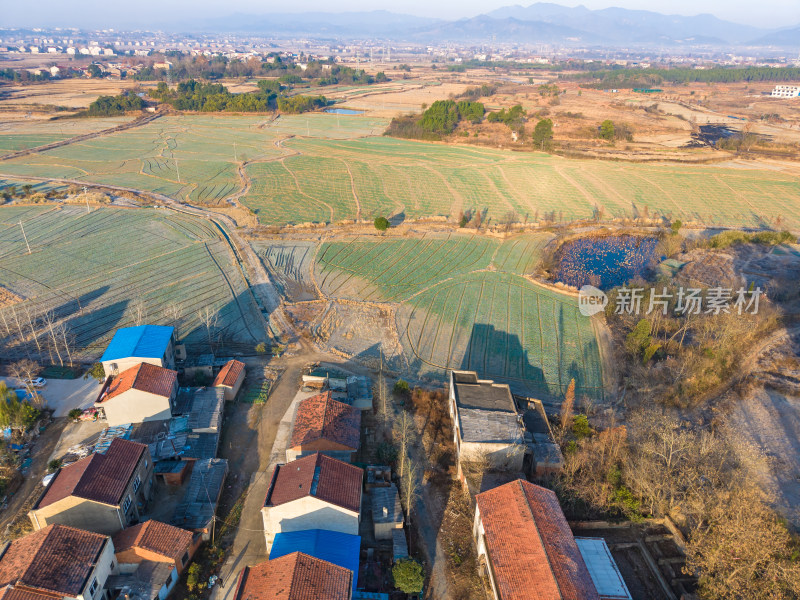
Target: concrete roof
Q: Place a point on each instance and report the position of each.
(484, 394)
(385, 498)
(489, 427)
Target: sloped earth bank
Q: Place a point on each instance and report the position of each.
(767, 415)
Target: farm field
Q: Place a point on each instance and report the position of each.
(462, 301)
(187, 157)
(106, 269)
(20, 135)
(332, 180)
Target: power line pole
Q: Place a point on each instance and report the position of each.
(25, 236)
(85, 197)
(177, 170)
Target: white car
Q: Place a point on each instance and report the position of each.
(37, 382)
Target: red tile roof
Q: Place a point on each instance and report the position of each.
(531, 549)
(99, 477)
(296, 576)
(323, 418)
(11, 593)
(229, 374)
(145, 378)
(317, 475)
(168, 541)
(57, 559)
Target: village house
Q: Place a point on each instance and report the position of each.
(322, 424)
(103, 493)
(387, 514)
(153, 344)
(57, 562)
(230, 378)
(313, 492)
(525, 544)
(485, 423)
(341, 549)
(296, 576)
(150, 558)
(144, 392)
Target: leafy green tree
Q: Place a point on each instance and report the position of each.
(96, 371)
(261, 348)
(408, 576)
(16, 413)
(382, 223)
(543, 134)
(676, 226)
(402, 389)
(607, 131)
(54, 465)
(95, 71)
(75, 414)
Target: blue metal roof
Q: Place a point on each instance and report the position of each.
(144, 341)
(341, 549)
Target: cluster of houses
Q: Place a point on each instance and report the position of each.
(315, 508)
(92, 536)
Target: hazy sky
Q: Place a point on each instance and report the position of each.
(764, 13)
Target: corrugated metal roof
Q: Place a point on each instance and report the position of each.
(341, 549)
(143, 341)
(603, 569)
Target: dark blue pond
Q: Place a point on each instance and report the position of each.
(604, 262)
(343, 111)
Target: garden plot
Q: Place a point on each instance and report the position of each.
(328, 180)
(113, 267)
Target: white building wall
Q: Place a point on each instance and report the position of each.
(105, 565)
(307, 513)
(136, 406)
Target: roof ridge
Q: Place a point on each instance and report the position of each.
(541, 539)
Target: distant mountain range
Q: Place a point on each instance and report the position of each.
(542, 22)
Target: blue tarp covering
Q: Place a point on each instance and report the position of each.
(341, 549)
(144, 341)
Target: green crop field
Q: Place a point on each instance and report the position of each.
(464, 303)
(332, 180)
(93, 269)
(20, 135)
(188, 157)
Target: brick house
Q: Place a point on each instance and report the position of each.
(314, 492)
(526, 547)
(322, 424)
(296, 576)
(57, 562)
(230, 378)
(141, 393)
(103, 493)
(151, 556)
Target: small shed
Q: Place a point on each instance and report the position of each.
(603, 569)
(399, 544)
(230, 378)
(387, 515)
(173, 472)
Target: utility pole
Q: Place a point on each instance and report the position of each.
(177, 170)
(25, 236)
(87, 200)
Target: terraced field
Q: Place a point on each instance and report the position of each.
(93, 270)
(331, 180)
(463, 302)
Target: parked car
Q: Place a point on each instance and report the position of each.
(37, 382)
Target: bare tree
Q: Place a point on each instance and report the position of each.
(31, 325)
(62, 331)
(5, 322)
(174, 312)
(409, 485)
(25, 371)
(50, 324)
(138, 311)
(568, 408)
(404, 434)
(208, 318)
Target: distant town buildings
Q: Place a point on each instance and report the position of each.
(786, 91)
